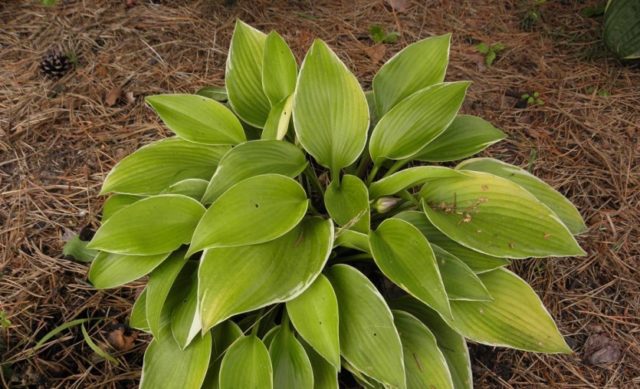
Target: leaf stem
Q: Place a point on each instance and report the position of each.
(372, 174)
(362, 166)
(356, 257)
(310, 173)
(396, 166)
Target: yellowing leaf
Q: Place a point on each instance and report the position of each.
(160, 282)
(495, 216)
(110, 270)
(138, 317)
(417, 120)
(368, 338)
(291, 365)
(166, 365)
(263, 274)
(565, 210)
(477, 261)
(407, 178)
(154, 225)
(406, 258)
(255, 210)
(251, 159)
(279, 69)
(460, 282)
(516, 317)
(466, 135)
(243, 75)
(425, 363)
(198, 119)
(452, 344)
(330, 111)
(314, 315)
(348, 203)
(246, 365)
(154, 167)
(415, 67)
(278, 121)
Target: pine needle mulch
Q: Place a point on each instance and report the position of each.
(58, 138)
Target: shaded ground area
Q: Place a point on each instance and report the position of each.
(59, 138)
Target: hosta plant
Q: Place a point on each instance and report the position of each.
(622, 28)
(308, 227)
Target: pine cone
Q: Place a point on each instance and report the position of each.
(55, 64)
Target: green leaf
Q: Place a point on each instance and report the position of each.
(185, 317)
(515, 318)
(353, 240)
(406, 258)
(59, 329)
(466, 135)
(263, 274)
(251, 159)
(495, 216)
(391, 37)
(154, 225)
(460, 282)
(416, 67)
(362, 380)
(330, 112)
(425, 364)
(347, 202)
(452, 344)
(154, 167)
(244, 75)
(138, 317)
(314, 315)
(291, 365)
(217, 93)
(160, 282)
(191, 187)
(115, 203)
(222, 337)
(279, 69)
(417, 120)
(407, 178)
(325, 375)
(490, 57)
(278, 121)
(246, 364)
(96, 349)
(255, 210)
(482, 48)
(198, 119)
(368, 338)
(110, 270)
(621, 28)
(168, 366)
(77, 249)
(559, 204)
(268, 337)
(477, 261)
(377, 34)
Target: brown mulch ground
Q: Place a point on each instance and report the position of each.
(59, 138)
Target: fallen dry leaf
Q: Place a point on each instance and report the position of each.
(376, 53)
(121, 338)
(112, 97)
(601, 350)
